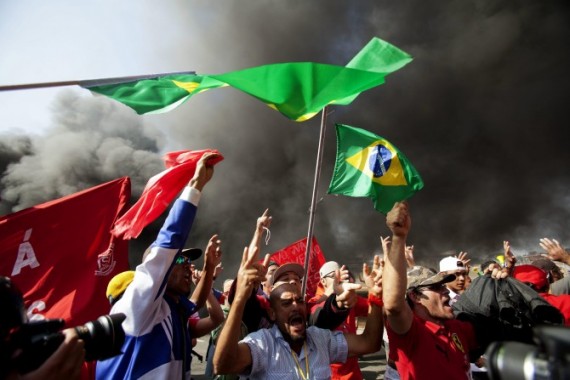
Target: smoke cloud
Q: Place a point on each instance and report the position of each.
(482, 112)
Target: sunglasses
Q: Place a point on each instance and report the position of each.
(182, 260)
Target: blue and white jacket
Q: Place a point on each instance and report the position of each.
(155, 338)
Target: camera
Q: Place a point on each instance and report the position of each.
(548, 359)
(24, 346)
(37, 341)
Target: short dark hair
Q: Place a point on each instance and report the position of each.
(486, 264)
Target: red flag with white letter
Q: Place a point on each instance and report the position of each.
(61, 254)
(295, 253)
(160, 191)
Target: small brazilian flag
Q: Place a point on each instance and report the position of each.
(367, 165)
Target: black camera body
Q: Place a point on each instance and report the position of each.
(37, 341)
(549, 359)
(24, 346)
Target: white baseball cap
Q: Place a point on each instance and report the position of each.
(328, 268)
(451, 263)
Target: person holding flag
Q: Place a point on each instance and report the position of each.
(158, 344)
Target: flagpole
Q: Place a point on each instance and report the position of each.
(313, 208)
(89, 82)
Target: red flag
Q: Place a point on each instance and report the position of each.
(295, 253)
(61, 254)
(160, 191)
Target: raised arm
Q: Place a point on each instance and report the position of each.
(371, 338)
(214, 319)
(394, 281)
(263, 223)
(555, 251)
(230, 356)
(510, 259)
(143, 297)
(212, 258)
(341, 297)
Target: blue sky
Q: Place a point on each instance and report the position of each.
(69, 40)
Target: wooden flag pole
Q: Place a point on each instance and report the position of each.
(89, 82)
(313, 208)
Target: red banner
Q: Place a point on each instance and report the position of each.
(295, 253)
(61, 254)
(160, 191)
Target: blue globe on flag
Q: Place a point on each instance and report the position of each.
(379, 160)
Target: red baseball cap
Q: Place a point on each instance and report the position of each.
(531, 275)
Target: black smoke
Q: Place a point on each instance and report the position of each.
(482, 112)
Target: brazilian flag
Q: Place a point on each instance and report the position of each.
(368, 165)
(159, 94)
(299, 90)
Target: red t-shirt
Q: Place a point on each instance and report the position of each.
(561, 302)
(350, 370)
(429, 350)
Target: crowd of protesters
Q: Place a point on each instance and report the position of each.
(261, 326)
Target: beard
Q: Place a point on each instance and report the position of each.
(294, 338)
(295, 330)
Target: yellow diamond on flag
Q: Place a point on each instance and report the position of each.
(188, 86)
(380, 162)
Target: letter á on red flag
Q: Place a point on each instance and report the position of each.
(61, 253)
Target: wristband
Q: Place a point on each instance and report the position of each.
(374, 300)
(219, 295)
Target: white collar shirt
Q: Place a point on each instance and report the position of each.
(272, 357)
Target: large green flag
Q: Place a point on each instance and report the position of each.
(298, 90)
(368, 165)
(301, 90)
(157, 95)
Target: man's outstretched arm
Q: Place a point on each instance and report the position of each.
(394, 280)
(230, 356)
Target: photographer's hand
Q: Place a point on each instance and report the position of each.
(65, 363)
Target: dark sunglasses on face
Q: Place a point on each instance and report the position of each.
(182, 260)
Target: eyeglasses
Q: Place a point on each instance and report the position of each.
(182, 260)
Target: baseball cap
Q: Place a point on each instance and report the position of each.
(532, 275)
(451, 263)
(191, 253)
(289, 267)
(328, 268)
(544, 264)
(118, 285)
(421, 276)
(272, 263)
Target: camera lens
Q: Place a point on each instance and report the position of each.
(514, 360)
(103, 337)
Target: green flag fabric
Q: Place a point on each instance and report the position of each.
(301, 90)
(368, 165)
(157, 95)
(298, 90)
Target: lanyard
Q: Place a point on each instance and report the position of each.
(305, 375)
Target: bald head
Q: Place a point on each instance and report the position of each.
(275, 295)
